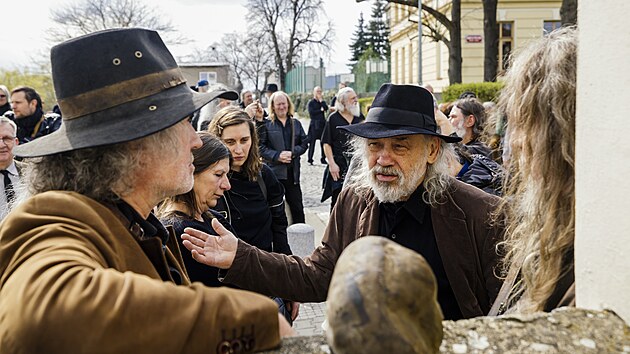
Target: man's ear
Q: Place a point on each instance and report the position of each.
(470, 121)
(433, 147)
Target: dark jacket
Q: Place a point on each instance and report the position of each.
(477, 147)
(483, 173)
(465, 239)
(4, 108)
(196, 271)
(36, 125)
(317, 110)
(273, 145)
(258, 220)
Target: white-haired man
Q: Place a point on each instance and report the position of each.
(402, 191)
(335, 142)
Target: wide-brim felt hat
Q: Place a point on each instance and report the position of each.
(116, 86)
(399, 110)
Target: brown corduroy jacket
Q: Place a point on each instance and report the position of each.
(465, 236)
(73, 279)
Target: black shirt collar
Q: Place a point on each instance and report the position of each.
(415, 205)
(140, 227)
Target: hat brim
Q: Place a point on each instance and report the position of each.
(142, 118)
(371, 130)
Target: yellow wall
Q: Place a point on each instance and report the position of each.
(527, 18)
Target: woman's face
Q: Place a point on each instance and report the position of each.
(239, 140)
(210, 184)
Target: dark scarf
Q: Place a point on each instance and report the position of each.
(26, 125)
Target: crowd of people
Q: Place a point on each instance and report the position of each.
(153, 219)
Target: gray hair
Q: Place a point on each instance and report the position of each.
(436, 181)
(342, 96)
(5, 120)
(104, 173)
(6, 92)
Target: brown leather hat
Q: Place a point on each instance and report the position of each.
(116, 86)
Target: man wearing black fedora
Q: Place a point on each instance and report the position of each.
(84, 264)
(401, 190)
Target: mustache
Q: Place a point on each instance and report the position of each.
(389, 171)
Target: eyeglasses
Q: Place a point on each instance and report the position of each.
(8, 140)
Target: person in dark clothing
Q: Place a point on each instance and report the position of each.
(254, 205)
(478, 170)
(284, 144)
(256, 213)
(5, 100)
(317, 108)
(29, 117)
(194, 208)
(335, 142)
(468, 118)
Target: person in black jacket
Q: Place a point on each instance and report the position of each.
(284, 144)
(317, 111)
(29, 117)
(194, 208)
(254, 205)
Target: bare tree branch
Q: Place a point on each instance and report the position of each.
(86, 16)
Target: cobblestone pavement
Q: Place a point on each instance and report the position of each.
(312, 315)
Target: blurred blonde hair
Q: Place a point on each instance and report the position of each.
(539, 100)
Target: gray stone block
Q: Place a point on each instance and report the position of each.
(301, 238)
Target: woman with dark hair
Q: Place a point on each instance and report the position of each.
(194, 209)
(255, 204)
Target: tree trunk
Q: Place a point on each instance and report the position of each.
(491, 40)
(455, 50)
(568, 12)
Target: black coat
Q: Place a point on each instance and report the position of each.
(273, 144)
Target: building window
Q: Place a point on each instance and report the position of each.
(506, 41)
(550, 26)
(211, 76)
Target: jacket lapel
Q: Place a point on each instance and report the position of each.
(458, 253)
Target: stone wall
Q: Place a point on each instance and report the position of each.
(566, 330)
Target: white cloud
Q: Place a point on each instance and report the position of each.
(203, 22)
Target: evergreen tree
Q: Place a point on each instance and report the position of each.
(359, 40)
(378, 30)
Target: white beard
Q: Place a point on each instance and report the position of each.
(460, 130)
(402, 188)
(355, 109)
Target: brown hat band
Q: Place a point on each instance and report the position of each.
(120, 93)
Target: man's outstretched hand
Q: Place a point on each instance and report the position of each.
(216, 251)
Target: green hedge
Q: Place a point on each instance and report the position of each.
(485, 91)
(364, 103)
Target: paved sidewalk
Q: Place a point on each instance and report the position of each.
(312, 315)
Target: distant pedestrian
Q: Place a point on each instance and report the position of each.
(5, 100)
(336, 142)
(284, 144)
(29, 115)
(317, 108)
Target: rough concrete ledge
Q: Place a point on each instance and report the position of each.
(566, 330)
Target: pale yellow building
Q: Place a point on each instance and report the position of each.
(519, 21)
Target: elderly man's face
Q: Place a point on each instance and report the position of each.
(398, 164)
(7, 142)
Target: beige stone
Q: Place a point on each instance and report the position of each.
(382, 299)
